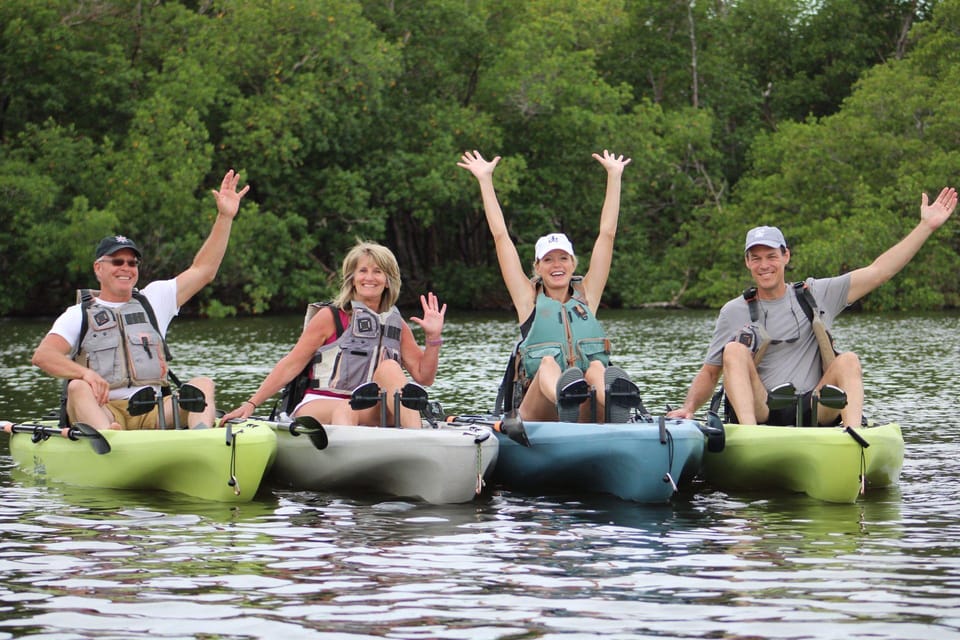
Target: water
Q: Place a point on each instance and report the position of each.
(85, 563)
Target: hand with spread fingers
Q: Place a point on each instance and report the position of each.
(432, 320)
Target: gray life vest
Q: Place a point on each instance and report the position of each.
(567, 331)
(370, 338)
(122, 344)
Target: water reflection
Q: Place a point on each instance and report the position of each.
(83, 563)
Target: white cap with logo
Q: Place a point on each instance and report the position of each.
(553, 241)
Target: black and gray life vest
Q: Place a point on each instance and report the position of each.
(122, 344)
(368, 340)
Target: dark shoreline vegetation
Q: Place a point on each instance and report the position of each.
(347, 118)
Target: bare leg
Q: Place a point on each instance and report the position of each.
(742, 384)
(391, 378)
(208, 416)
(540, 401)
(83, 407)
(845, 372)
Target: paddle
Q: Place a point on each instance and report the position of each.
(510, 426)
(310, 427)
(74, 432)
(713, 430)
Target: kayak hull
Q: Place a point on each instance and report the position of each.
(197, 463)
(630, 461)
(443, 465)
(825, 463)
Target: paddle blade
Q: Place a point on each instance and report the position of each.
(310, 427)
(142, 401)
(191, 398)
(97, 441)
(512, 427)
(716, 435)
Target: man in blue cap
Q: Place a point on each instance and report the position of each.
(112, 345)
(771, 318)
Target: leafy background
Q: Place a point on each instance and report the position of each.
(827, 118)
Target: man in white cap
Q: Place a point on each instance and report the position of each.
(779, 323)
(121, 349)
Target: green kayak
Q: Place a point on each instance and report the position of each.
(826, 463)
(223, 464)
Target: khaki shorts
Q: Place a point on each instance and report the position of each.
(149, 420)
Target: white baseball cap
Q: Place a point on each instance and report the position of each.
(548, 243)
(766, 236)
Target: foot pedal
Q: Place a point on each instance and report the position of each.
(365, 396)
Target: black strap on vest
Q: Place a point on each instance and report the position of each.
(293, 392)
(86, 299)
(800, 290)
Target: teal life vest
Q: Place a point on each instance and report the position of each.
(567, 331)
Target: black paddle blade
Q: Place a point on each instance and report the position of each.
(365, 396)
(142, 401)
(310, 427)
(413, 396)
(512, 427)
(832, 397)
(97, 441)
(782, 397)
(191, 398)
(716, 435)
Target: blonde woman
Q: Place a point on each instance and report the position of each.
(357, 339)
(564, 352)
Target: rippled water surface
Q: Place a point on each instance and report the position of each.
(85, 563)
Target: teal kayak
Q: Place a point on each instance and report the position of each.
(638, 461)
(439, 465)
(224, 464)
(826, 463)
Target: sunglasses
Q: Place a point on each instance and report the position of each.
(119, 262)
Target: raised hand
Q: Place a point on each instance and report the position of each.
(433, 313)
(937, 213)
(228, 198)
(475, 164)
(612, 162)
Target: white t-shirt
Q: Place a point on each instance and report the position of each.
(162, 295)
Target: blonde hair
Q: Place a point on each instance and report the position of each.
(384, 259)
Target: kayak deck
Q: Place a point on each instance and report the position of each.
(826, 463)
(202, 463)
(635, 461)
(437, 465)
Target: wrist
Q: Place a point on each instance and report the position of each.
(434, 342)
(251, 403)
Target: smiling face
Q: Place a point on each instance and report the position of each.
(369, 282)
(768, 268)
(117, 281)
(556, 270)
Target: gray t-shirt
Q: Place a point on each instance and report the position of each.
(797, 358)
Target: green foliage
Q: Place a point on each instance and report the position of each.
(347, 118)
